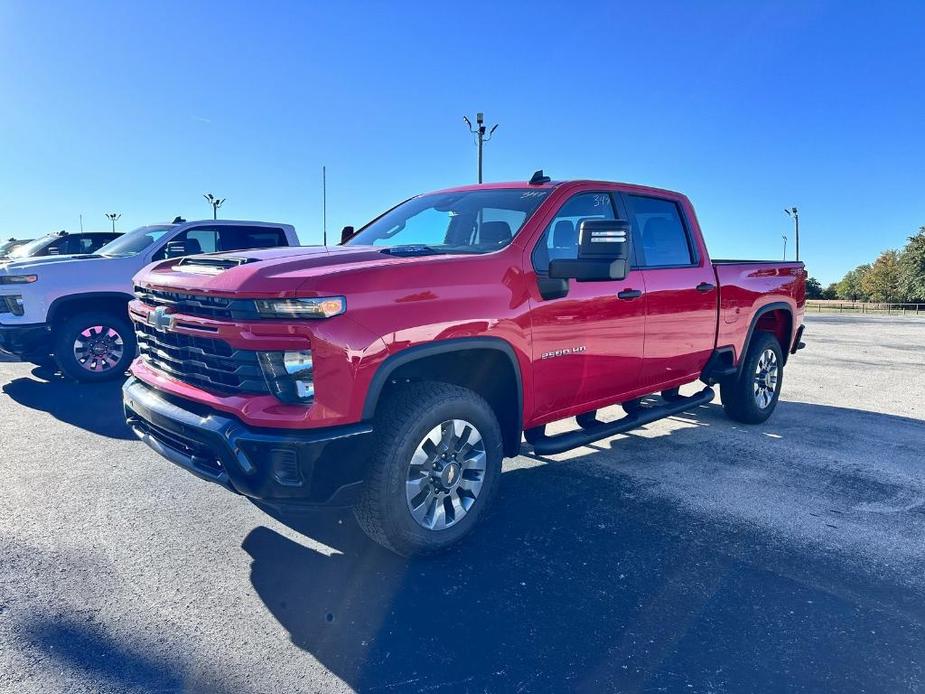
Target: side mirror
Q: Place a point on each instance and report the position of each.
(175, 249)
(346, 234)
(604, 250)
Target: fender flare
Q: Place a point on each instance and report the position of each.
(429, 349)
(767, 308)
(57, 304)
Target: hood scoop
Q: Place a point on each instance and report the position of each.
(204, 265)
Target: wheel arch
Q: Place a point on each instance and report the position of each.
(65, 307)
(775, 318)
(486, 365)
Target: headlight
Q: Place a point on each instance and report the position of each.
(18, 279)
(321, 307)
(289, 375)
(12, 303)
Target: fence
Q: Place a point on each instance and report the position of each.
(829, 306)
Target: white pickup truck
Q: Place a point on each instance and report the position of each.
(74, 308)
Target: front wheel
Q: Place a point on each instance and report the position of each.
(752, 396)
(94, 346)
(435, 466)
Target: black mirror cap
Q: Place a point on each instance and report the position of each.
(175, 249)
(588, 269)
(346, 234)
(604, 239)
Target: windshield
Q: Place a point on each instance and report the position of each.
(7, 246)
(27, 249)
(477, 221)
(133, 242)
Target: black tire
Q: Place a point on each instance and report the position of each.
(632, 406)
(95, 367)
(672, 395)
(741, 400)
(407, 417)
(535, 434)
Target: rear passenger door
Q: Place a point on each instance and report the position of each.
(681, 293)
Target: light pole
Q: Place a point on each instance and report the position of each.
(111, 216)
(784, 237)
(795, 216)
(481, 135)
(215, 202)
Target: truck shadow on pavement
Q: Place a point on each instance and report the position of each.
(578, 580)
(95, 407)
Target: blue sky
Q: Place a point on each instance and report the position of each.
(747, 107)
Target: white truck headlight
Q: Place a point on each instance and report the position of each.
(319, 307)
(18, 279)
(289, 375)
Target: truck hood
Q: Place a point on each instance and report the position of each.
(24, 264)
(272, 272)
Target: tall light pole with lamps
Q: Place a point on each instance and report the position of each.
(214, 202)
(111, 216)
(482, 135)
(795, 216)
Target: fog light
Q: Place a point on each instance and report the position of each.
(285, 466)
(289, 375)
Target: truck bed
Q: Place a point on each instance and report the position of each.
(748, 286)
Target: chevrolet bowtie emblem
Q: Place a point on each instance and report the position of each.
(160, 319)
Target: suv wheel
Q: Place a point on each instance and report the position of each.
(753, 395)
(435, 466)
(94, 346)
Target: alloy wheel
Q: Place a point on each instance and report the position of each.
(766, 378)
(98, 348)
(445, 474)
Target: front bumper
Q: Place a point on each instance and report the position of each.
(280, 467)
(28, 341)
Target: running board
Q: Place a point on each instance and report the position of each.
(548, 445)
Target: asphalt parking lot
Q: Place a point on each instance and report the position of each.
(694, 555)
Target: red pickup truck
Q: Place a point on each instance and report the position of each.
(395, 371)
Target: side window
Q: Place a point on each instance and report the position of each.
(660, 232)
(190, 242)
(220, 239)
(77, 244)
(241, 238)
(560, 240)
(55, 247)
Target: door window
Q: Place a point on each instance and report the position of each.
(560, 240)
(659, 231)
(220, 239)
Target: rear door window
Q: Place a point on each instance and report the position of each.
(241, 238)
(659, 232)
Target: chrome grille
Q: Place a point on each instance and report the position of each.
(199, 304)
(204, 362)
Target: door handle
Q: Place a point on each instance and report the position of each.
(629, 294)
(705, 287)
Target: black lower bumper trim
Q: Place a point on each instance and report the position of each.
(278, 466)
(26, 341)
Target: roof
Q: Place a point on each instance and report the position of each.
(556, 184)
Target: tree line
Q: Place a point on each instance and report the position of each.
(894, 277)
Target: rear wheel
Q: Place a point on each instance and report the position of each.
(752, 396)
(435, 466)
(94, 346)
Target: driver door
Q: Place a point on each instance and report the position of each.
(588, 344)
